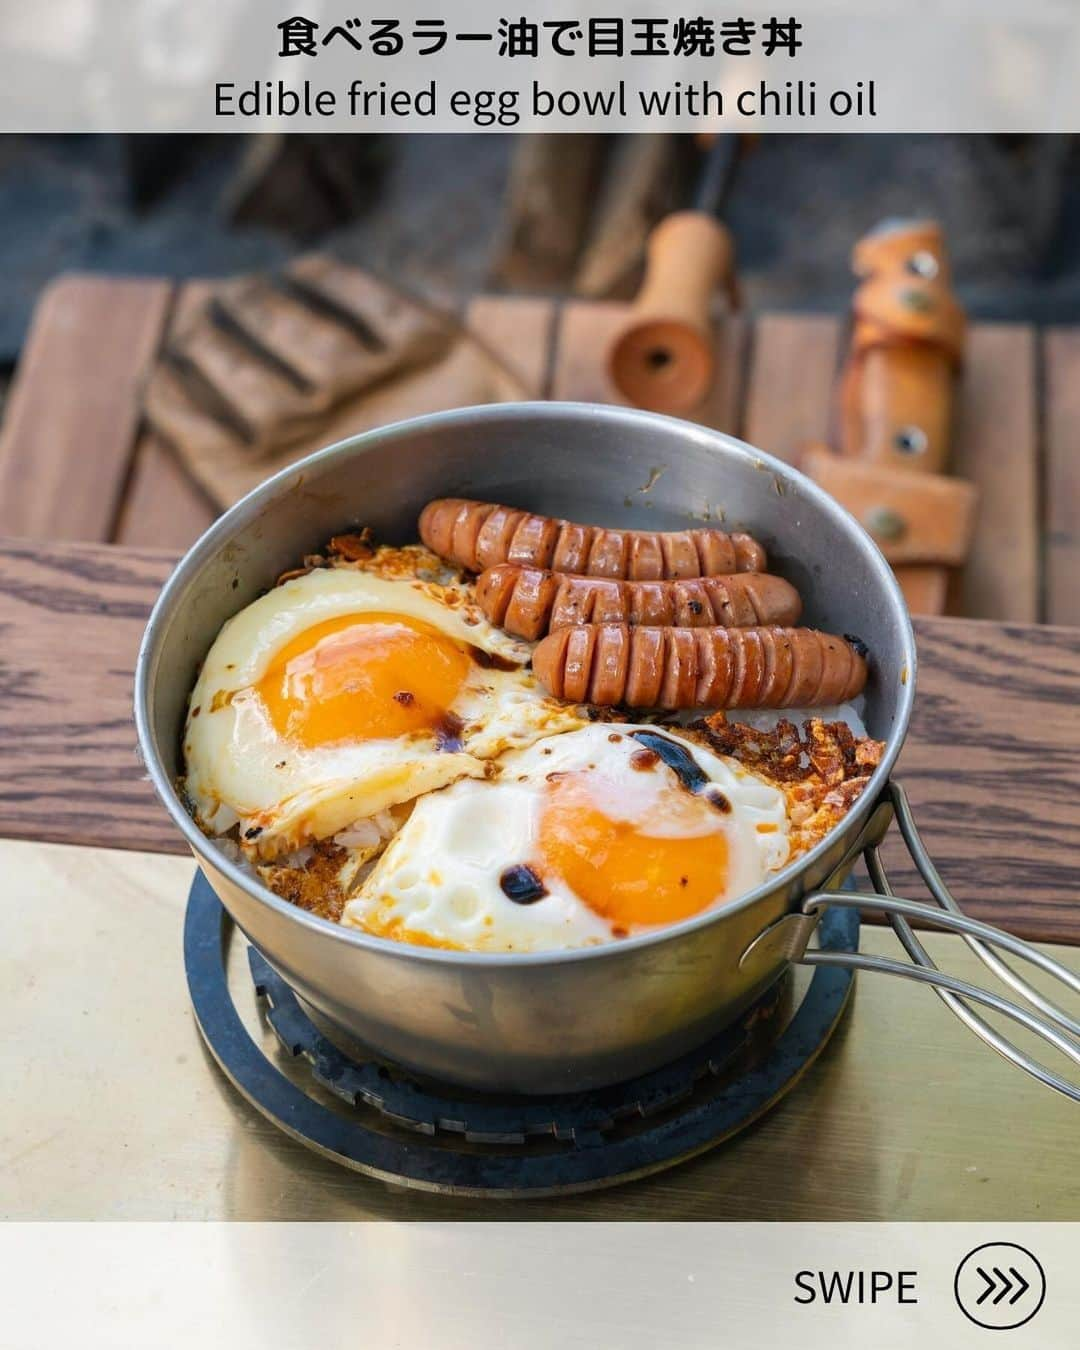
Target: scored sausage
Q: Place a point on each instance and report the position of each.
(479, 535)
(614, 663)
(531, 601)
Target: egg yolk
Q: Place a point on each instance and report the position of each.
(368, 676)
(623, 873)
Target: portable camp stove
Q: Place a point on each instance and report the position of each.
(378, 1119)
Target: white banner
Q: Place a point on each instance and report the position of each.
(539, 65)
(475, 1286)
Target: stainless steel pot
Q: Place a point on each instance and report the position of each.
(563, 1020)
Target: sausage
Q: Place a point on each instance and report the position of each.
(614, 663)
(530, 601)
(479, 535)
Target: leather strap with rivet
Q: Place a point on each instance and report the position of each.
(895, 410)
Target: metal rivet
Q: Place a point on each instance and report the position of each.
(911, 440)
(884, 522)
(924, 264)
(918, 301)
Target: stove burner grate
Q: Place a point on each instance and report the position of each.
(384, 1122)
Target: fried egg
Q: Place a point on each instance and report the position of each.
(581, 839)
(339, 694)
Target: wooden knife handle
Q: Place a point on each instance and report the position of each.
(904, 408)
(907, 341)
(664, 358)
(896, 399)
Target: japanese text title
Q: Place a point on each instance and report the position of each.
(559, 37)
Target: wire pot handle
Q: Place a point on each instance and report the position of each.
(1051, 1023)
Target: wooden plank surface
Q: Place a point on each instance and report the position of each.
(520, 332)
(997, 449)
(789, 395)
(69, 428)
(904, 1116)
(992, 762)
(993, 768)
(1061, 391)
(70, 466)
(74, 466)
(71, 616)
(163, 507)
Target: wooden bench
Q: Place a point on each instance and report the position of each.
(76, 464)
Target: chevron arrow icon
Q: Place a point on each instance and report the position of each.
(1001, 1286)
(1024, 1285)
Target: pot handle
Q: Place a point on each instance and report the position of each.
(1049, 1022)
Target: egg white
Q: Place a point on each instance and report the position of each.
(438, 882)
(241, 770)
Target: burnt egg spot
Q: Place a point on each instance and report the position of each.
(490, 661)
(678, 759)
(448, 731)
(521, 885)
(860, 646)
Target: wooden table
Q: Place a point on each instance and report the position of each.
(992, 764)
(75, 464)
(118, 1110)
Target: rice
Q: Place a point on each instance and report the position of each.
(765, 719)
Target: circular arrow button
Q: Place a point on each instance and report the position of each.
(1000, 1285)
